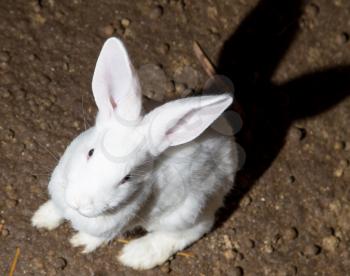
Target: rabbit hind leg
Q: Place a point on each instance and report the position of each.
(156, 247)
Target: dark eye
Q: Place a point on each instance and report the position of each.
(90, 153)
(126, 178)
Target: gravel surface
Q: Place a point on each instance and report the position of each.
(289, 213)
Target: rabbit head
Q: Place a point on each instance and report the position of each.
(111, 162)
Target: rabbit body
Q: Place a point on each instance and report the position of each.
(175, 183)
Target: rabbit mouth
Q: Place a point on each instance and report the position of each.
(89, 213)
(92, 212)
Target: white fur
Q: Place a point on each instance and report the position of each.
(176, 185)
(47, 216)
(90, 243)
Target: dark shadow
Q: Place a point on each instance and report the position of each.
(249, 58)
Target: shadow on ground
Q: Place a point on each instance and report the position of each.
(249, 58)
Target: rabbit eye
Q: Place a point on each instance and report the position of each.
(90, 153)
(126, 178)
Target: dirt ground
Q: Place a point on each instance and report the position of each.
(289, 213)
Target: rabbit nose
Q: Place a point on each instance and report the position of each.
(72, 202)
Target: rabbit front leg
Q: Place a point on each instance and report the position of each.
(47, 216)
(156, 247)
(87, 241)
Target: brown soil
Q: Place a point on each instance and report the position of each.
(290, 211)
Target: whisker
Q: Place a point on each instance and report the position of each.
(40, 174)
(82, 107)
(141, 219)
(47, 170)
(147, 162)
(138, 171)
(50, 152)
(137, 175)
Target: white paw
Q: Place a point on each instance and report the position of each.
(47, 216)
(90, 243)
(146, 252)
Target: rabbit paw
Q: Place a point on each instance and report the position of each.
(90, 243)
(146, 252)
(47, 216)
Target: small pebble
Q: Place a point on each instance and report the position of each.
(347, 146)
(287, 271)
(164, 48)
(237, 271)
(338, 3)
(19, 94)
(344, 163)
(339, 145)
(267, 248)
(312, 250)
(7, 78)
(312, 10)
(180, 88)
(9, 134)
(330, 243)
(5, 232)
(3, 66)
(37, 263)
(65, 66)
(249, 243)
(165, 268)
(11, 203)
(11, 192)
(5, 93)
(212, 12)
(60, 263)
(291, 179)
(297, 134)
(107, 31)
(338, 172)
(169, 87)
(239, 256)
(290, 234)
(4, 57)
(229, 254)
(233, 231)
(128, 32)
(43, 79)
(33, 57)
(76, 124)
(245, 202)
(227, 242)
(156, 12)
(125, 22)
(342, 38)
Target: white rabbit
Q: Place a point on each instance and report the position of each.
(133, 169)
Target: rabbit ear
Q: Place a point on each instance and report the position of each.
(181, 121)
(115, 86)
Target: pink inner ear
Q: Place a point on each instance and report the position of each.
(182, 122)
(113, 103)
